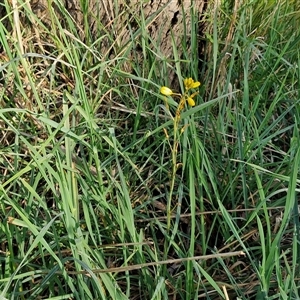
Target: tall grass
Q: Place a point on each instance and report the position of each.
(86, 163)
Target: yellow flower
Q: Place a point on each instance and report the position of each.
(189, 83)
(166, 91)
(191, 101)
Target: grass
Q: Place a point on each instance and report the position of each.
(86, 163)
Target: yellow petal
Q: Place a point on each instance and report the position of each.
(166, 91)
(187, 83)
(190, 101)
(195, 85)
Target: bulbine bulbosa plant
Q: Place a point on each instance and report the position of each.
(187, 97)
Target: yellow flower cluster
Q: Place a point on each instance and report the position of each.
(189, 83)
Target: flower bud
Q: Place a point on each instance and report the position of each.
(166, 91)
(191, 101)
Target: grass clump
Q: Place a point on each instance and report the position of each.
(113, 190)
